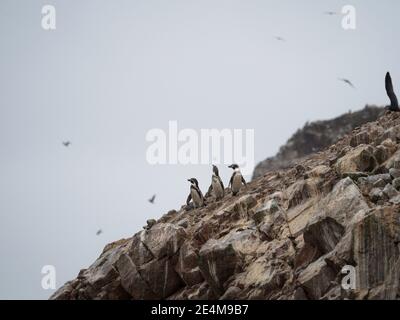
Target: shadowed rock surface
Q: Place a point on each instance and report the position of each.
(287, 236)
(315, 137)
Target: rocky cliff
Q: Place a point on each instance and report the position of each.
(289, 235)
(316, 136)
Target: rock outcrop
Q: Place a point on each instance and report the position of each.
(316, 136)
(291, 234)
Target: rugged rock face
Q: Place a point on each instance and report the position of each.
(289, 235)
(315, 137)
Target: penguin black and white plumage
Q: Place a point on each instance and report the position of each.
(217, 186)
(236, 180)
(394, 104)
(195, 194)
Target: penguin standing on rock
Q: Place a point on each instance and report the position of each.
(195, 194)
(217, 186)
(236, 180)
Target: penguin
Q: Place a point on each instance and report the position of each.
(394, 104)
(195, 194)
(236, 180)
(217, 186)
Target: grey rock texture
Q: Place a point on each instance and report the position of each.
(288, 235)
(316, 136)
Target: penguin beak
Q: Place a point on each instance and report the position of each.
(230, 166)
(190, 180)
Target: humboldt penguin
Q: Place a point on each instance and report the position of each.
(195, 194)
(217, 186)
(236, 180)
(394, 104)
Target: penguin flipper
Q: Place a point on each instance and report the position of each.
(208, 193)
(230, 181)
(394, 104)
(188, 199)
(244, 181)
(222, 184)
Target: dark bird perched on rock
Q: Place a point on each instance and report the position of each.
(394, 104)
(151, 200)
(217, 186)
(236, 180)
(195, 194)
(347, 81)
(66, 143)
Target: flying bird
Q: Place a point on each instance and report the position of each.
(151, 200)
(66, 143)
(347, 81)
(99, 232)
(330, 13)
(279, 38)
(394, 104)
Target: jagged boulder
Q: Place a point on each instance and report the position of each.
(267, 275)
(359, 159)
(344, 203)
(132, 281)
(394, 161)
(218, 261)
(316, 279)
(138, 251)
(161, 277)
(188, 265)
(163, 239)
(324, 234)
(368, 183)
(377, 257)
(300, 191)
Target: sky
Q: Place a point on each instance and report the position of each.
(112, 71)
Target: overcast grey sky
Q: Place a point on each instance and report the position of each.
(112, 70)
